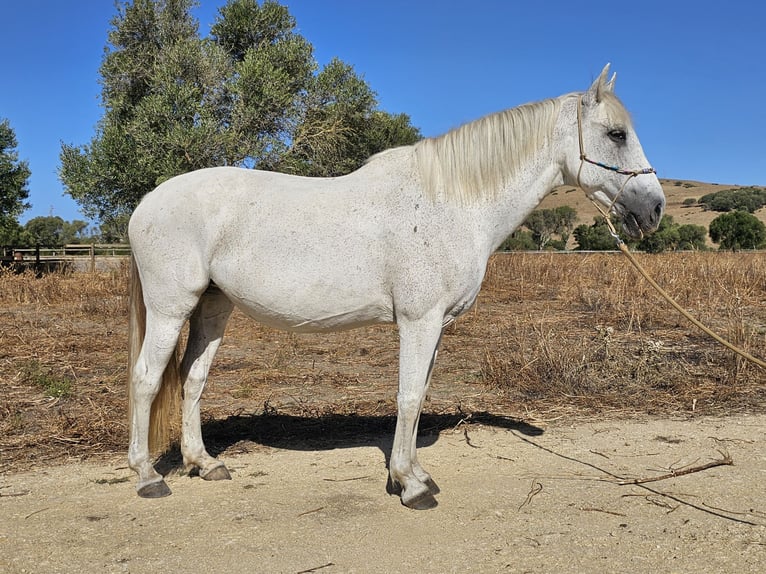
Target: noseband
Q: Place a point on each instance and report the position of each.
(631, 173)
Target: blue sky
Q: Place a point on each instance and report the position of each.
(692, 73)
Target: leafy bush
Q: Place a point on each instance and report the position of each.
(519, 240)
(748, 199)
(541, 228)
(594, 237)
(545, 223)
(738, 230)
(669, 237)
(673, 237)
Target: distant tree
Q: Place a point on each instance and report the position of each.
(249, 95)
(738, 230)
(567, 218)
(673, 237)
(114, 229)
(46, 230)
(666, 238)
(12, 234)
(545, 223)
(691, 237)
(14, 177)
(519, 240)
(75, 231)
(748, 199)
(669, 236)
(594, 237)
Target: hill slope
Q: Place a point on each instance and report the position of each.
(676, 191)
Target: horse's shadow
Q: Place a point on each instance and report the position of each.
(331, 431)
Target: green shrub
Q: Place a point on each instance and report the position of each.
(748, 199)
(738, 230)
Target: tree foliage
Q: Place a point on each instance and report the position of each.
(251, 95)
(594, 237)
(14, 177)
(749, 199)
(519, 240)
(691, 237)
(11, 233)
(738, 230)
(52, 231)
(671, 236)
(545, 223)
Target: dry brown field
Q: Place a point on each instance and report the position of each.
(553, 337)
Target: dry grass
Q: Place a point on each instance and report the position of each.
(551, 336)
(605, 340)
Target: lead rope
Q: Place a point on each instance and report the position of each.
(624, 248)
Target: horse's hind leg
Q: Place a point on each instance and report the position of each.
(206, 327)
(156, 351)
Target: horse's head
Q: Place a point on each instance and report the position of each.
(611, 166)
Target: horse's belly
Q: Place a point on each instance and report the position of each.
(320, 312)
(293, 320)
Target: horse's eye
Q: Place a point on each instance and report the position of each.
(618, 135)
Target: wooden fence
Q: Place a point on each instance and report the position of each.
(79, 257)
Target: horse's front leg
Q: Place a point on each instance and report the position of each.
(206, 328)
(418, 342)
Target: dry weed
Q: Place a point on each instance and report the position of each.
(636, 353)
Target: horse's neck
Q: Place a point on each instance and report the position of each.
(519, 198)
(541, 173)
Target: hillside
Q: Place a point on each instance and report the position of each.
(676, 192)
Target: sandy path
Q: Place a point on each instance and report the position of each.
(510, 502)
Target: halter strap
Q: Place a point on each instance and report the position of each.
(631, 173)
(585, 158)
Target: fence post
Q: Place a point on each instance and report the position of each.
(92, 257)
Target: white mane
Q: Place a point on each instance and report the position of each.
(480, 157)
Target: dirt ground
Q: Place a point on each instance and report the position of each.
(515, 498)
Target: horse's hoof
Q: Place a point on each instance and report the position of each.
(218, 473)
(433, 488)
(154, 490)
(424, 501)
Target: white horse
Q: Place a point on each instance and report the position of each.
(404, 239)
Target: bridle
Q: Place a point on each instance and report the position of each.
(631, 173)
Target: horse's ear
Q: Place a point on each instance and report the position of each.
(593, 95)
(610, 83)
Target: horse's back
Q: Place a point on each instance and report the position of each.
(299, 253)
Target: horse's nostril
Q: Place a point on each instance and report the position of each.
(658, 210)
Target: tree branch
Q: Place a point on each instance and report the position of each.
(724, 461)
